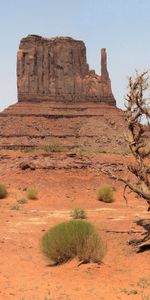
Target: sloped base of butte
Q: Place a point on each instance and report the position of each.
(82, 126)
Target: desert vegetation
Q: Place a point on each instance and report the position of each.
(14, 206)
(3, 191)
(53, 147)
(89, 135)
(105, 193)
(32, 193)
(78, 213)
(71, 239)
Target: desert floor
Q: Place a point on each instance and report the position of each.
(25, 274)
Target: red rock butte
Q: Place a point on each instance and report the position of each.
(60, 100)
(56, 69)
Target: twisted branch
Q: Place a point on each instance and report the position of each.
(137, 109)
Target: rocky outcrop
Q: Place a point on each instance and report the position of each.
(56, 70)
(53, 126)
(62, 105)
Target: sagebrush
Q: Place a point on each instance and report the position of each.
(14, 206)
(105, 193)
(78, 213)
(32, 193)
(3, 191)
(53, 147)
(71, 239)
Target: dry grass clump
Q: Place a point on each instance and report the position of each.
(105, 193)
(32, 193)
(3, 191)
(15, 206)
(71, 239)
(53, 147)
(78, 213)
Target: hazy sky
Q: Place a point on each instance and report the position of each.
(121, 26)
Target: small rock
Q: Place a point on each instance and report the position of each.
(27, 165)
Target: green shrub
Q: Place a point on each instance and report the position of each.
(78, 213)
(54, 147)
(105, 193)
(3, 191)
(32, 193)
(70, 239)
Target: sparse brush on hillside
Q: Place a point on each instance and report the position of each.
(53, 147)
(105, 193)
(78, 213)
(32, 193)
(3, 191)
(14, 206)
(71, 239)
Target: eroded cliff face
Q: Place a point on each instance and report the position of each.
(56, 70)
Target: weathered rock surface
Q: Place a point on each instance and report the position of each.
(84, 126)
(61, 103)
(56, 70)
(66, 161)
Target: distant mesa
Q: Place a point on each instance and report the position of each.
(61, 101)
(56, 69)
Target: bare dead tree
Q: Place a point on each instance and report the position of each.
(138, 122)
(138, 138)
(137, 112)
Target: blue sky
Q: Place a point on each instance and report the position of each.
(121, 26)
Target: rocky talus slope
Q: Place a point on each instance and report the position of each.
(76, 126)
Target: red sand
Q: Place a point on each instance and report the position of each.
(25, 273)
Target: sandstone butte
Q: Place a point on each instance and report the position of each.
(56, 69)
(60, 100)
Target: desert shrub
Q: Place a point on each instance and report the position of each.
(32, 193)
(84, 149)
(27, 149)
(3, 191)
(105, 193)
(73, 238)
(78, 213)
(14, 206)
(22, 201)
(53, 147)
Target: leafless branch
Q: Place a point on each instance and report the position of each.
(137, 109)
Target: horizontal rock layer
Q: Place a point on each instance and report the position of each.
(81, 126)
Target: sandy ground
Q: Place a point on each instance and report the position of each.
(25, 274)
